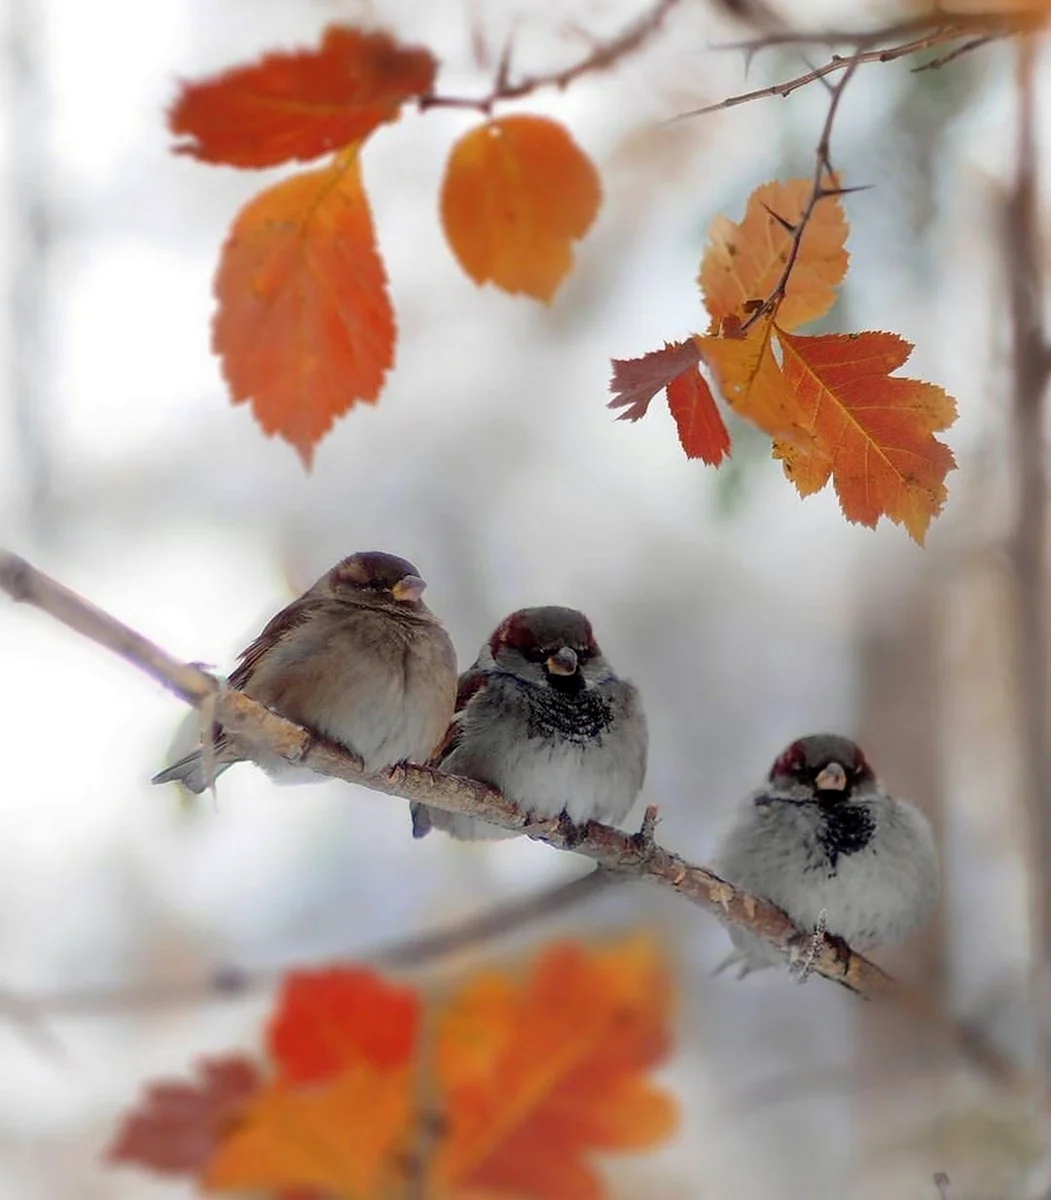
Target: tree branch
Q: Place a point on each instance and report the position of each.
(824, 186)
(602, 56)
(870, 47)
(229, 982)
(627, 855)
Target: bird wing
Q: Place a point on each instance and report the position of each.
(471, 682)
(276, 628)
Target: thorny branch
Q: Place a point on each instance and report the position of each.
(884, 45)
(634, 856)
(602, 56)
(824, 186)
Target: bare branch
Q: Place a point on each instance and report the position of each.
(229, 982)
(601, 57)
(626, 855)
(921, 34)
(942, 60)
(965, 24)
(824, 187)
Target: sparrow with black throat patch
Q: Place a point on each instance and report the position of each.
(543, 717)
(826, 842)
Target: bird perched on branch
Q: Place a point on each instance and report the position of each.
(542, 716)
(358, 658)
(825, 841)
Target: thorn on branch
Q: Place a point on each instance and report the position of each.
(644, 838)
(818, 192)
(922, 33)
(786, 225)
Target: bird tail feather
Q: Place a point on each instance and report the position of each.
(190, 772)
(421, 820)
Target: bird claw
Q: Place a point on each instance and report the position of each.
(805, 948)
(542, 827)
(574, 834)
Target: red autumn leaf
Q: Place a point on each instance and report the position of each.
(702, 431)
(518, 191)
(637, 380)
(872, 432)
(178, 1126)
(537, 1074)
(329, 1019)
(304, 325)
(301, 104)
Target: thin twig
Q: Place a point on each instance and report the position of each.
(230, 982)
(821, 190)
(943, 60)
(601, 57)
(254, 728)
(837, 63)
(932, 22)
(872, 46)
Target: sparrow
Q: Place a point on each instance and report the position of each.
(358, 658)
(542, 717)
(826, 842)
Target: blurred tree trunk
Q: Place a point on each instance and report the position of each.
(900, 1075)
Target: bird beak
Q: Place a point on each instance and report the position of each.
(832, 778)
(408, 589)
(563, 663)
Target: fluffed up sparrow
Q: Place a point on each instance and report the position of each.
(358, 658)
(542, 716)
(826, 842)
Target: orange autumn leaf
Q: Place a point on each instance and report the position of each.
(517, 192)
(748, 374)
(301, 104)
(872, 432)
(331, 1018)
(743, 263)
(348, 1136)
(538, 1073)
(304, 325)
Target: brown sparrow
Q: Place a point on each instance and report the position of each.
(358, 658)
(826, 842)
(542, 717)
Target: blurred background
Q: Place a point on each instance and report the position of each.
(746, 616)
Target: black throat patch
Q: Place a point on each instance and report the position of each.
(844, 829)
(579, 717)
